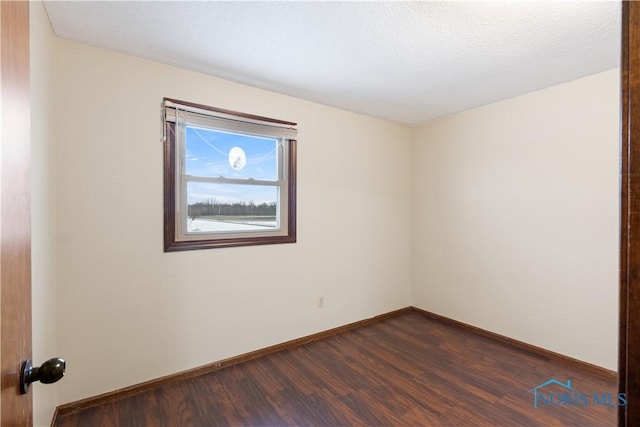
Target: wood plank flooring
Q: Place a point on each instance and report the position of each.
(408, 370)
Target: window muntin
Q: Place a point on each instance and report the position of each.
(228, 181)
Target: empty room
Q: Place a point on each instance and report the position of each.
(317, 213)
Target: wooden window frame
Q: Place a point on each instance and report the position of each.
(172, 240)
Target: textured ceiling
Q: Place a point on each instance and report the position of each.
(408, 62)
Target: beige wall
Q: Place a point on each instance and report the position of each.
(507, 214)
(129, 312)
(43, 218)
(515, 220)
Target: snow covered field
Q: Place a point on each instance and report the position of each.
(204, 225)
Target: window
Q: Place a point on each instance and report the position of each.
(229, 178)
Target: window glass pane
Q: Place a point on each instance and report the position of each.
(214, 153)
(231, 207)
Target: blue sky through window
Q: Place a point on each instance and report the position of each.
(230, 193)
(207, 154)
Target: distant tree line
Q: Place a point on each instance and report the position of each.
(214, 208)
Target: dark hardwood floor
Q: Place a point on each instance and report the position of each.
(406, 370)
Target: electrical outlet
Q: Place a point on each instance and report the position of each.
(320, 301)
